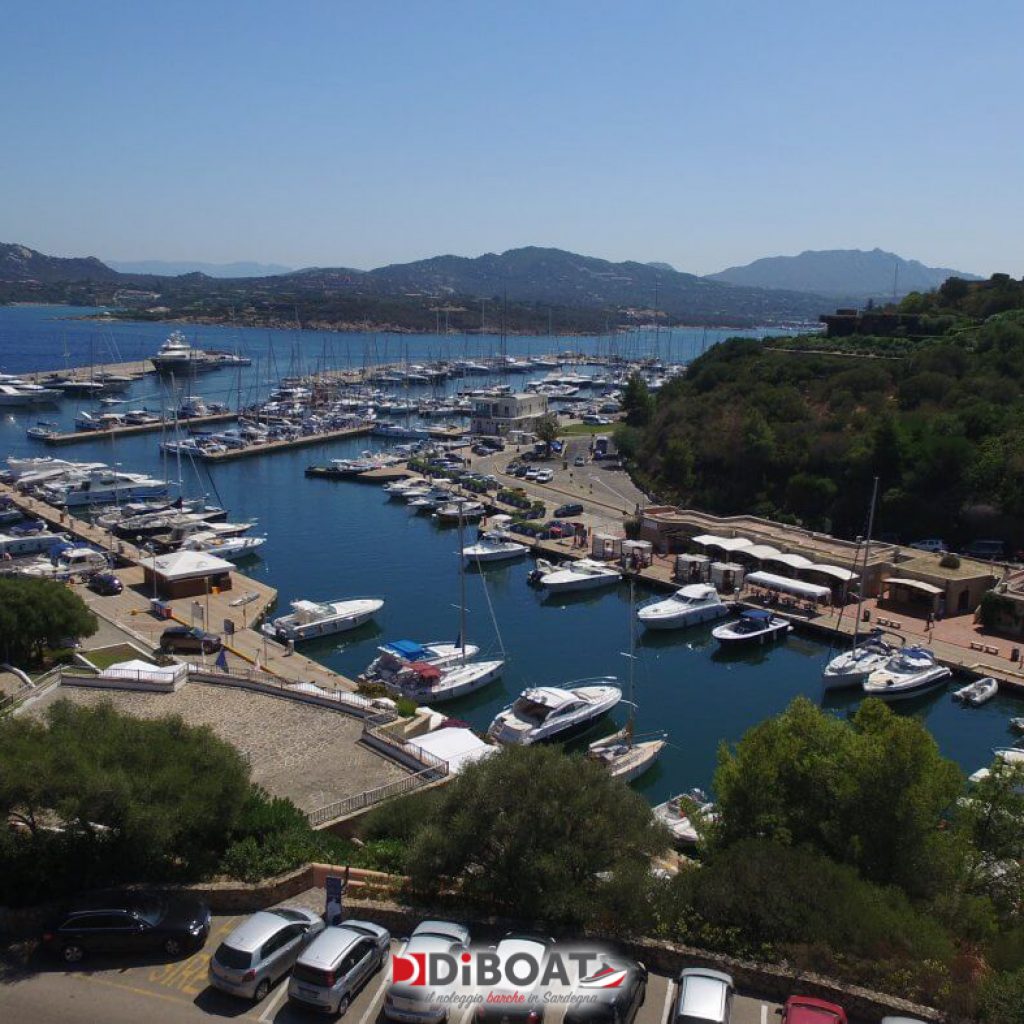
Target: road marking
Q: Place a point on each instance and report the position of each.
(92, 979)
(275, 1001)
(666, 1009)
(764, 1013)
(374, 1008)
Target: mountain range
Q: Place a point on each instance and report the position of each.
(174, 268)
(842, 272)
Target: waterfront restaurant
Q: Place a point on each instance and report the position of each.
(922, 583)
(187, 574)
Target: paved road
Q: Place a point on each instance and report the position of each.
(151, 992)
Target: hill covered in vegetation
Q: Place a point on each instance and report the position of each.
(796, 429)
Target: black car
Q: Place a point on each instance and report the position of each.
(106, 584)
(134, 922)
(186, 640)
(571, 509)
(615, 1005)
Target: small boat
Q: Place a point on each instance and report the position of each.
(910, 672)
(315, 618)
(977, 693)
(625, 756)
(682, 815)
(585, 574)
(224, 547)
(460, 509)
(494, 546)
(752, 627)
(43, 431)
(852, 667)
(546, 712)
(688, 606)
(1017, 724)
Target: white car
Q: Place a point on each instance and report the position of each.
(580, 460)
(933, 544)
(544, 476)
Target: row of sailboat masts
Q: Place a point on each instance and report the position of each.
(864, 565)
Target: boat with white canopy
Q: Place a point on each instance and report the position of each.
(688, 606)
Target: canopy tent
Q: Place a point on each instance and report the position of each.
(761, 551)
(141, 671)
(408, 649)
(459, 747)
(793, 561)
(808, 591)
(725, 543)
(835, 571)
(925, 588)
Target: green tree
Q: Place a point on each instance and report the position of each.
(546, 429)
(36, 612)
(532, 832)
(637, 401)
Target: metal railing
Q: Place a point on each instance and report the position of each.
(404, 749)
(360, 801)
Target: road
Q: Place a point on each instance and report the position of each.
(42, 991)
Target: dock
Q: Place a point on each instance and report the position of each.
(137, 368)
(130, 429)
(285, 443)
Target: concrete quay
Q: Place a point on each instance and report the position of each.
(81, 436)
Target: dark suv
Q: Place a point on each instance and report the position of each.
(617, 1004)
(134, 922)
(571, 509)
(188, 640)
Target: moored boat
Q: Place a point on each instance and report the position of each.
(978, 692)
(688, 606)
(549, 712)
(311, 619)
(852, 667)
(585, 574)
(494, 546)
(910, 672)
(754, 626)
(683, 816)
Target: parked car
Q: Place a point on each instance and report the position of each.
(134, 922)
(106, 584)
(406, 1003)
(530, 1011)
(188, 640)
(986, 549)
(618, 1005)
(580, 460)
(532, 473)
(809, 1010)
(261, 950)
(544, 476)
(704, 996)
(337, 963)
(573, 508)
(933, 544)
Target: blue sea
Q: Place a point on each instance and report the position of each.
(331, 539)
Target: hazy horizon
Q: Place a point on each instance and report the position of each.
(702, 136)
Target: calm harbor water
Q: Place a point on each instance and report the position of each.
(331, 539)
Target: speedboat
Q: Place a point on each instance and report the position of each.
(423, 682)
(909, 672)
(625, 757)
(688, 606)
(852, 667)
(585, 574)
(223, 547)
(546, 712)
(461, 508)
(682, 814)
(754, 626)
(494, 546)
(978, 692)
(395, 655)
(315, 618)
(43, 431)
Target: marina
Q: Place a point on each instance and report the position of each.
(341, 541)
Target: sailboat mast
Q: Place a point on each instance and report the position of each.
(867, 555)
(462, 592)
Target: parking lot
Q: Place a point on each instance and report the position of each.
(106, 989)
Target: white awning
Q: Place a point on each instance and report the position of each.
(793, 561)
(925, 588)
(835, 571)
(798, 588)
(761, 551)
(725, 543)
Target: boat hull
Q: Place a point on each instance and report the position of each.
(685, 619)
(892, 689)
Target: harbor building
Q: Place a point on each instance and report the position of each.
(497, 417)
(187, 574)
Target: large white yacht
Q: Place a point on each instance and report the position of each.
(546, 712)
(585, 574)
(752, 627)
(101, 487)
(688, 606)
(321, 618)
(21, 394)
(910, 672)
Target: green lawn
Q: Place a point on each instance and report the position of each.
(576, 429)
(104, 657)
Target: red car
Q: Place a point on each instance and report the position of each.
(808, 1010)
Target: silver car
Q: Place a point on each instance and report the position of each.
(705, 997)
(261, 950)
(404, 1002)
(337, 964)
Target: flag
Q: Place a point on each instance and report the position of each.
(222, 660)
(256, 662)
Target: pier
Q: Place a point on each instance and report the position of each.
(131, 429)
(285, 443)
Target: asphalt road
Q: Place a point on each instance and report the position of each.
(112, 991)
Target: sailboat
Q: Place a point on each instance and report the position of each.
(427, 681)
(621, 754)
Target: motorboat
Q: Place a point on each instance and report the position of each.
(684, 814)
(397, 488)
(21, 395)
(1011, 758)
(311, 619)
(426, 683)
(625, 756)
(1017, 724)
(494, 546)
(754, 626)
(460, 509)
(140, 417)
(176, 355)
(547, 712)
(104, 421)
(910, 672)
(584, 574)
(43, 431)
(395, 655)
(103, 486)
(852, 667)
(224, 547)
(978, 692)
(688, 606)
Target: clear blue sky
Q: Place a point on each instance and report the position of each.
(702, 133)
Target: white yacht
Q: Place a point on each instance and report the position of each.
(26, 394)
(176, 355)
(585, 574)
(460, 509)
(103, 486)
(546, 712)
(754, 626)
(223, 547)
(688, 606)
(682, 814)
(399, 653)
(315, 618)
(624, 756)
(494, 546)
(852, 667)
(910, 672)
(429, 684)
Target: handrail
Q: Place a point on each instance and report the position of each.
(359, 801)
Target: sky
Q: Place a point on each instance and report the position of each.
(701, 133)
